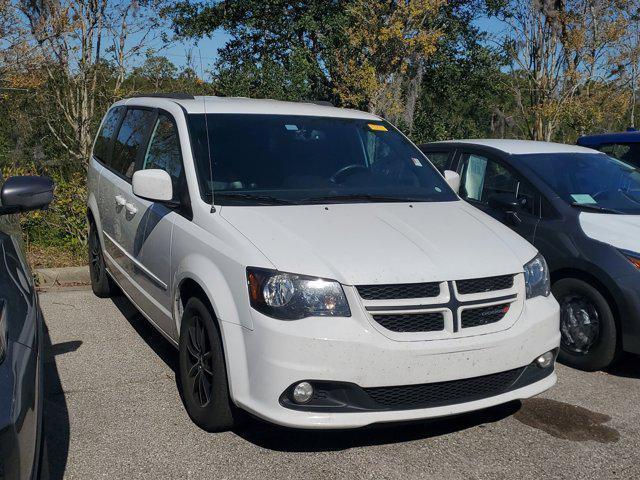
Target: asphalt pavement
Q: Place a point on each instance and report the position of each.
(113, 411)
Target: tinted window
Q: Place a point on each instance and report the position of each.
(482, 178)
(304, 159)
(108, 129)
(627, 152)
(132, 135)
(163, 151)
(439, 159)
(592, 181)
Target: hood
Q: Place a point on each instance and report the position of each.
(620, 231)
(371, 243)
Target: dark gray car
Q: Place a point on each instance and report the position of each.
(21, 335)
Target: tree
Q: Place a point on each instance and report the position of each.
(79, 52)
(277, 48)
(557, 49)
(381, 64)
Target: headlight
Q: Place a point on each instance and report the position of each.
(3, 332)
(536, 277)
(633, 257)
(289, 296)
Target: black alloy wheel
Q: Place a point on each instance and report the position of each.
(200, 372)
(202, 369)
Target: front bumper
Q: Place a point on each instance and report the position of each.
(629, 305)
(264, 362)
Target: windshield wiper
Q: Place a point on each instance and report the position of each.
(264, 199)
(595, 208)
(359, 196)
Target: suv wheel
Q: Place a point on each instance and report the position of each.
(203, 376)
(101, 283)
(587, 325)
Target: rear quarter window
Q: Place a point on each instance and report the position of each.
(106, 133)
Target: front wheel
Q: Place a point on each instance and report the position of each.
(203, 376)
(587, 326)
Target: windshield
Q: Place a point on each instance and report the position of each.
(591, 181)
(284, 159)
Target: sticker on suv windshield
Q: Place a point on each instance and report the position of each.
(377, 128)
(416, 162)
(583, 198)
(292, 128)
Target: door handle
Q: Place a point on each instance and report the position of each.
(131, 208)
(120, 200)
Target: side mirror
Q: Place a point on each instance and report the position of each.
(23, 193)
(153, 184)
(505, 202)
(453, 180)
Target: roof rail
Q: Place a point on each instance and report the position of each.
(176, 95)
(323, 103)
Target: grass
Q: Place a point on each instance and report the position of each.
(52, 256)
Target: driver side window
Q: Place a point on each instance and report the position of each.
(483, 177)
(163, 151)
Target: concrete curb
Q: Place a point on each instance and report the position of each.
(62, 277)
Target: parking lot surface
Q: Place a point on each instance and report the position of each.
(113, 411)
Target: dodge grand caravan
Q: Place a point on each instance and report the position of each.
(311, 266)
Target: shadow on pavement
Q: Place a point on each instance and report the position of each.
(291, 440)
(628, 366)
(147, 332)
(56, 414)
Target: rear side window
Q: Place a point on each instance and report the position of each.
(131, 138)
(106, 133)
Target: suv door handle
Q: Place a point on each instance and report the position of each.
(120, 200)
(131, 208)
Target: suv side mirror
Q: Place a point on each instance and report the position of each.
(153, 184)
(453, 180)
(505, 202)
(23, 193)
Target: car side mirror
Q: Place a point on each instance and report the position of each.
(153, 184)
(24, 193)
(453, 180)
(505, 202)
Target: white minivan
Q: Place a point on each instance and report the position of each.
(311, 265)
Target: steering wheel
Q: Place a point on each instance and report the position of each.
(347, 171)
(597, 194)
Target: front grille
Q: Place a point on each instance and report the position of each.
(399, 291)
(488, 284)
(476, 317)
(444, 393)
(412, 322)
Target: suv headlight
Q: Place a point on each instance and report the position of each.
(536, 277)
(633, 257)
(289, 296)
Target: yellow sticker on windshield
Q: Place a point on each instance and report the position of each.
(377, 128)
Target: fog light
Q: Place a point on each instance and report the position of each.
(302, 392)
(545, 360)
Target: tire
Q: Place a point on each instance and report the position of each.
(597, 349)
(202, 370)
(101, 283)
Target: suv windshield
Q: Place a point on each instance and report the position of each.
(285, 159)
(595, 182)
